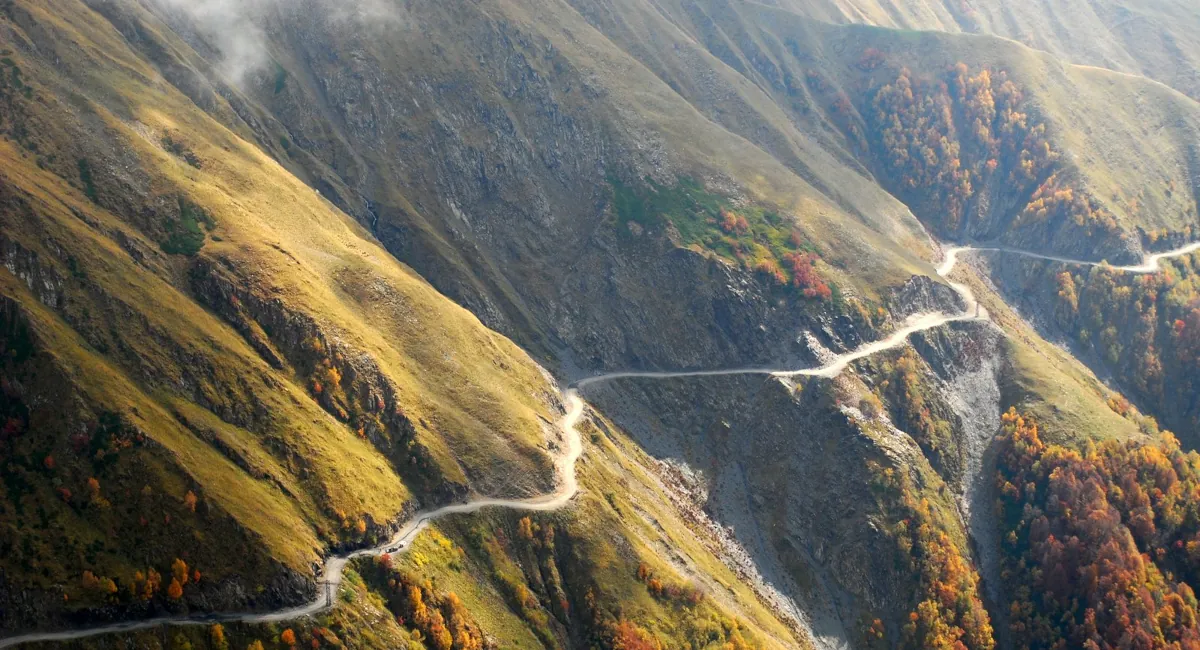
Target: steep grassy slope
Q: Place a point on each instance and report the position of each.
(634, 559)
(205, 356)
(1155, 39)
(828, 81)
(1139, 330)
(1046, 381)
(634, 553)
(514, 217)
(211, 350)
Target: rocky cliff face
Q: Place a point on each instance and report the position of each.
(481, 153)
(970, 366)
(789, 469)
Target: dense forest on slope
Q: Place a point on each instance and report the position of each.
(949, 611)
(963, 145)
(1103, 544)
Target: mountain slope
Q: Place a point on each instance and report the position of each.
(501, 202)
(828, 78)
(1153, 39)
(234, 236)
(226, 343)
(555, 102)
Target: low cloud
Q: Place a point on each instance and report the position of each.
(237, 28)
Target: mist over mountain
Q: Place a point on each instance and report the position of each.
(616, 324)
(234, 29)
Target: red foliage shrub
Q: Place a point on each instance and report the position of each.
(626, 635)
(805, 277)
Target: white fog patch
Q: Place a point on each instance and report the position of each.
(237, 28)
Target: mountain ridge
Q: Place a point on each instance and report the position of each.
(279, 277)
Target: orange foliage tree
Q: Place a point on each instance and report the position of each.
(626, 635)
(442, 619)
(179, 569)
(677, 593)
(1100, 545)
(805, 277)
(946, 140)
(949, 612)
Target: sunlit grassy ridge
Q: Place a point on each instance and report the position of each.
(173, 276)
(622, 562)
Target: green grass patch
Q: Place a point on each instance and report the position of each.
(185, 235)
(751, 236)
(89, 184)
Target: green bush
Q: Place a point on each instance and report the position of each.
(185, 235)
(85, 176)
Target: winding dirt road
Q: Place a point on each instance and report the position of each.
(402, 540)
(334, 566)
(1151, 264)
(915, 323)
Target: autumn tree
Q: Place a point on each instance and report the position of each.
(94, 496)
(98, 587)
(948, 611)
(805, 276)
(441, 619)
(216, 635)
(627, 635)
(1120, 515)
(945, 141)
(682, 594)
